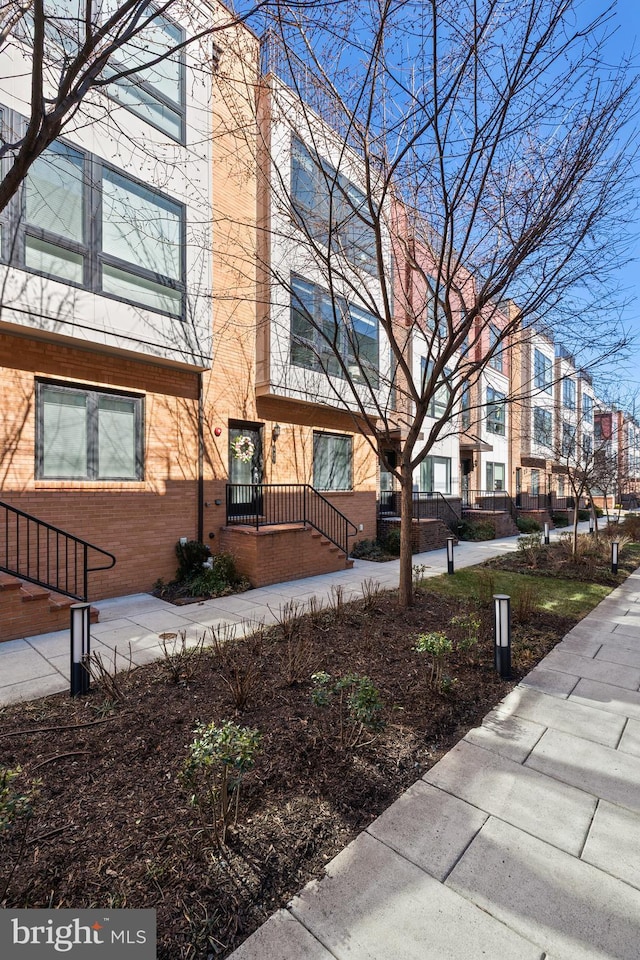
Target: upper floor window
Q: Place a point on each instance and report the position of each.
(465, 407)
(495, 412)
(154, 93)
(494, 340)
(587, 406)
(88, 434)
(569, 394)
(542, 371)
(441, 395)
(326, 330)
(568, 439)
(542, 426)
(331, 208)
(88, 224)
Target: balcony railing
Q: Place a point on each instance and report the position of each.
(40, 553)
(272, 504)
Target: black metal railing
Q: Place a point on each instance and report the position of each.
(427, 505)
(34, 550)
(271, 504)
(495, 501)
(533, 501)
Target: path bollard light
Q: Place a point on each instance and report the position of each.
(502, 622)
(80, 648)
(450, 543)
(546, 533)
(591, 524)
(615, 546)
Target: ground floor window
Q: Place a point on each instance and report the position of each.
(535, 482)
(332, 461)
(435, 474)
(495, 476)
(88, 434)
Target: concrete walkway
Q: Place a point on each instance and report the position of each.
(39, 666)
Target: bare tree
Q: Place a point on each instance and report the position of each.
(437, 177)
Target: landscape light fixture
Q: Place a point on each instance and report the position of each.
(80, 648)
(546, 533)
(502, 633)
(615, 546)
(450, 543)
(591, 523)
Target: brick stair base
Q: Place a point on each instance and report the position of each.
(27, 610)
(277, 554)
(428, 534)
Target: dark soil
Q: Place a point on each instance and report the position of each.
(112, 825)
(553, 560)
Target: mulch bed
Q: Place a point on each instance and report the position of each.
(112, 825)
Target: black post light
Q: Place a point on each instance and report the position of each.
(546, 532)
(615, 547)
(502, 632)
(80, 648)
(450, 543)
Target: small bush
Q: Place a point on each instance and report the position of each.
(219, 756)
(583, 515)
(599, 512)
(531, 548)
(191, 555)
(391, 543)
(527, 525)
(560, 519)
(217, 580)
(468, 626)
(481, 530)
(357, 700)
(437, 646)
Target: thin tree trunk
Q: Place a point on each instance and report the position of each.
(405, 592)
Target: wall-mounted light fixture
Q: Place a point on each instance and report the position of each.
(275, 433)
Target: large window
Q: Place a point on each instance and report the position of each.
(155, 93)
(90, 225)
(568, 439)
(587, 406)
(329, 206)
(569, 394)
(542, 372)
(332, 460)
(495, 476)
(435, 474)
(495, 412)
(441, 395)
(542, 426)
(465, 407)
(88, 434)
(494, 341)
(324, 329)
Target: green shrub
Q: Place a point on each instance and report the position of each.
(367, 550)
(599, 512)
(583, 515)
(219, 756)
(191, 555)
(527, 525)
(391, 543)
(214, 581)
(437, 646)
(560, 519)
(357, 700)
(481, 530)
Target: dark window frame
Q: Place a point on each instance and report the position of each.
(542, 426)
(542, 366)
(93, 395)
(496, 420)
(319, 435)
(94, 257)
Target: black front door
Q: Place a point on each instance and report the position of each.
(245, 470)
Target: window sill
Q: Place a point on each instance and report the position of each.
(110, 485)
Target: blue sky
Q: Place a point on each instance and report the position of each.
(626, 41)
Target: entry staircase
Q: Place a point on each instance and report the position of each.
(43, 571)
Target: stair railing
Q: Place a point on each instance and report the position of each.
(273, 504)
(41, 553)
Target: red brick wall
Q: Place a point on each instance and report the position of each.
(264, 556)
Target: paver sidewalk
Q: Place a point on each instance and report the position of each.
(522, 843)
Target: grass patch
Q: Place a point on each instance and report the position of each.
(571, 598)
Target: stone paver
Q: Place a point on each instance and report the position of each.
(541, 805)
(403, 913)
(593, 669)
(567, 906)
(613, 843)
